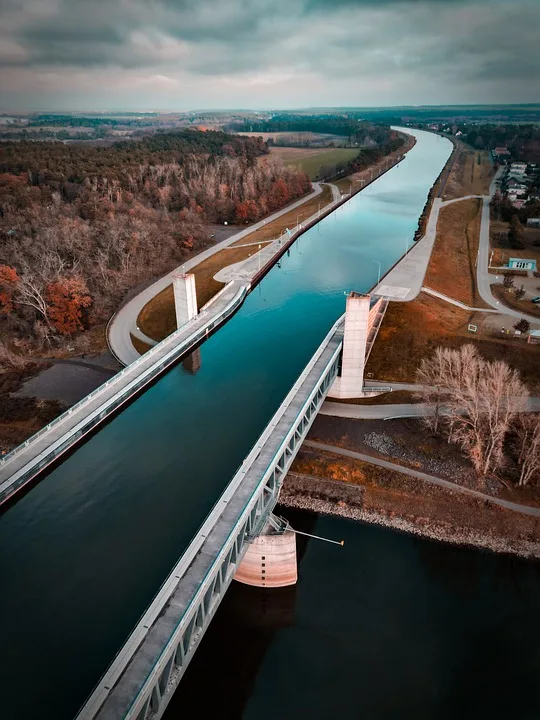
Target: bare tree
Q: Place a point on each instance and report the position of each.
(481, 400)
(528, 447)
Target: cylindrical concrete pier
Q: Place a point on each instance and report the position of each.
(270, 561)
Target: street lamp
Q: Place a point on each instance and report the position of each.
(379, 275)
(259, 254)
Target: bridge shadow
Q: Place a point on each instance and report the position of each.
(221, 676)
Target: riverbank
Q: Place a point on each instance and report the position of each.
(379, 507)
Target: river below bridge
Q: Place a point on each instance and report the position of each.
(389, 627)
(85, 551)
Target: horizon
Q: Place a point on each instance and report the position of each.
(275, 109)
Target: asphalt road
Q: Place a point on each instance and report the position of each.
(483, 278)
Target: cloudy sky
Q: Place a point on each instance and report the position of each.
(185, 54)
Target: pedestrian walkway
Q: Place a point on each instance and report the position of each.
(507, 504)
(457, 303)
(124, 322)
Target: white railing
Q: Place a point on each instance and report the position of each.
(140, 377)
(120, 662)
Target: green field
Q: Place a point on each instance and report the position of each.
(311, 161)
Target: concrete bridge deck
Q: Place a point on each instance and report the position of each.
(145, 673)
(23, 464)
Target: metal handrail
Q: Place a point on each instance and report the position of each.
(132, 386)
(151, 613)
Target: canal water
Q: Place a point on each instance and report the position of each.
(85, 551)
(389, 627)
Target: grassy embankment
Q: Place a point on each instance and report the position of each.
(471, 174)
(411, 331)
(393, 497)
(157, 318)
(353, 182)
(452, 268)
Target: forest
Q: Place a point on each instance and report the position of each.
(81, 225)
(354, 129)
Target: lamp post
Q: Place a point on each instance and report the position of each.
(379, 274)
(259, 254)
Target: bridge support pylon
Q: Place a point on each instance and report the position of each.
(270, 560)
(185, 298)
(363, 317)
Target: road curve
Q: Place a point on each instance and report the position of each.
(483, 278)
(124, 321)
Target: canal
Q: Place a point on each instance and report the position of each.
(85, 551)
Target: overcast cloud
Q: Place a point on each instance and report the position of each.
(182, 54)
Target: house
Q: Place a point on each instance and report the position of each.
(519, 203)
(515, 185)
(501, 151)
(533, 222)
(518, 167)
(521, 264)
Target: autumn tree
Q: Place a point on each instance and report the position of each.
(9, 280)
(519, 292)
(67, 298)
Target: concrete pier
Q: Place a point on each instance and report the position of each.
(185, 298)
(350, 382)
(270, 561)
(363, 317)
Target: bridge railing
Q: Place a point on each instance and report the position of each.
(140, 378)
(94, 704)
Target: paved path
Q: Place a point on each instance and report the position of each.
(124, 321)
(24, 462)
(404, 282)
(459, 199)
(398, 410)
(458, 304)
(525, 509)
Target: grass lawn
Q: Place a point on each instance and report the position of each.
(311, 160)
(411, 331)
(452, 268)
(471, 174)
(140, 346)
(157, 319)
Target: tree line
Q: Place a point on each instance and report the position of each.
(351, 128)
(81, 225)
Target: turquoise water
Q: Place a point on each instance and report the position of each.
(84, 552)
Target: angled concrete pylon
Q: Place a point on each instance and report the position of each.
(185, 298)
